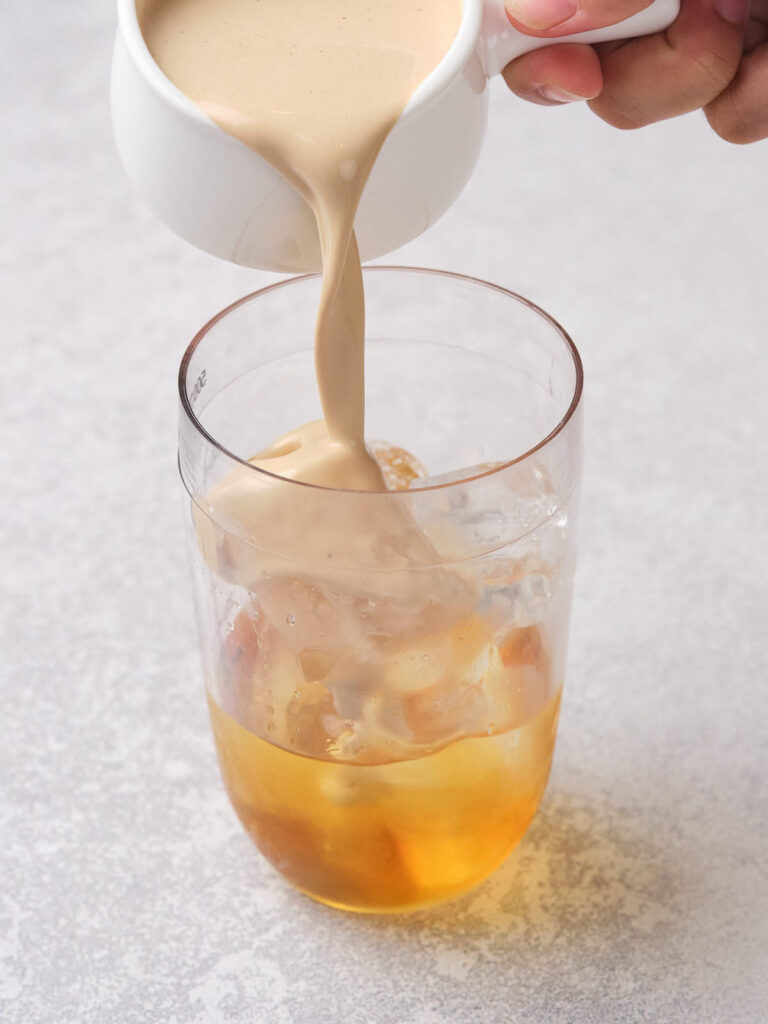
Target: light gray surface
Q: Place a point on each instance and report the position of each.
(128, 892)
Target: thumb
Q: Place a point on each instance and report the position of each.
(552, 18)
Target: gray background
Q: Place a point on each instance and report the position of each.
(127, 890)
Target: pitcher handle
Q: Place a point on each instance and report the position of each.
(500, 42)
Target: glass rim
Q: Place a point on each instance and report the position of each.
(498, 467)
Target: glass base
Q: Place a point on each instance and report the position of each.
(392, 837)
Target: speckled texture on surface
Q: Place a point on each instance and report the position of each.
(128, 892)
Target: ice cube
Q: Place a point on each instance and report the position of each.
(311, 722)
(400, 468)
(268, 688)
(241, 657)
(484, 510)
(408, 696)
(526, 659)
(311, 617)
(516, 591)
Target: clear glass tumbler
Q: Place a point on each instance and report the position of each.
(384, 670)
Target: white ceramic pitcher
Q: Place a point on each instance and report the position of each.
(218, 194)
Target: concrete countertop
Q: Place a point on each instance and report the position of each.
(128, 891)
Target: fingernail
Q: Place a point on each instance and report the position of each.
(541, 14)
(734, 11)
(553, 94)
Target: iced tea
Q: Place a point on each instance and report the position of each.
(384, 837)
(381, 770)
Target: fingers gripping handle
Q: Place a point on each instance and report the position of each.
(500, 42)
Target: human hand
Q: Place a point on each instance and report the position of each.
(714, 57)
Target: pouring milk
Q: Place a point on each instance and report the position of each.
(315, 89)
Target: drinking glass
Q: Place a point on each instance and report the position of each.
(384, 670)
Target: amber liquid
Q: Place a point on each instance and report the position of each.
(394, 836)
